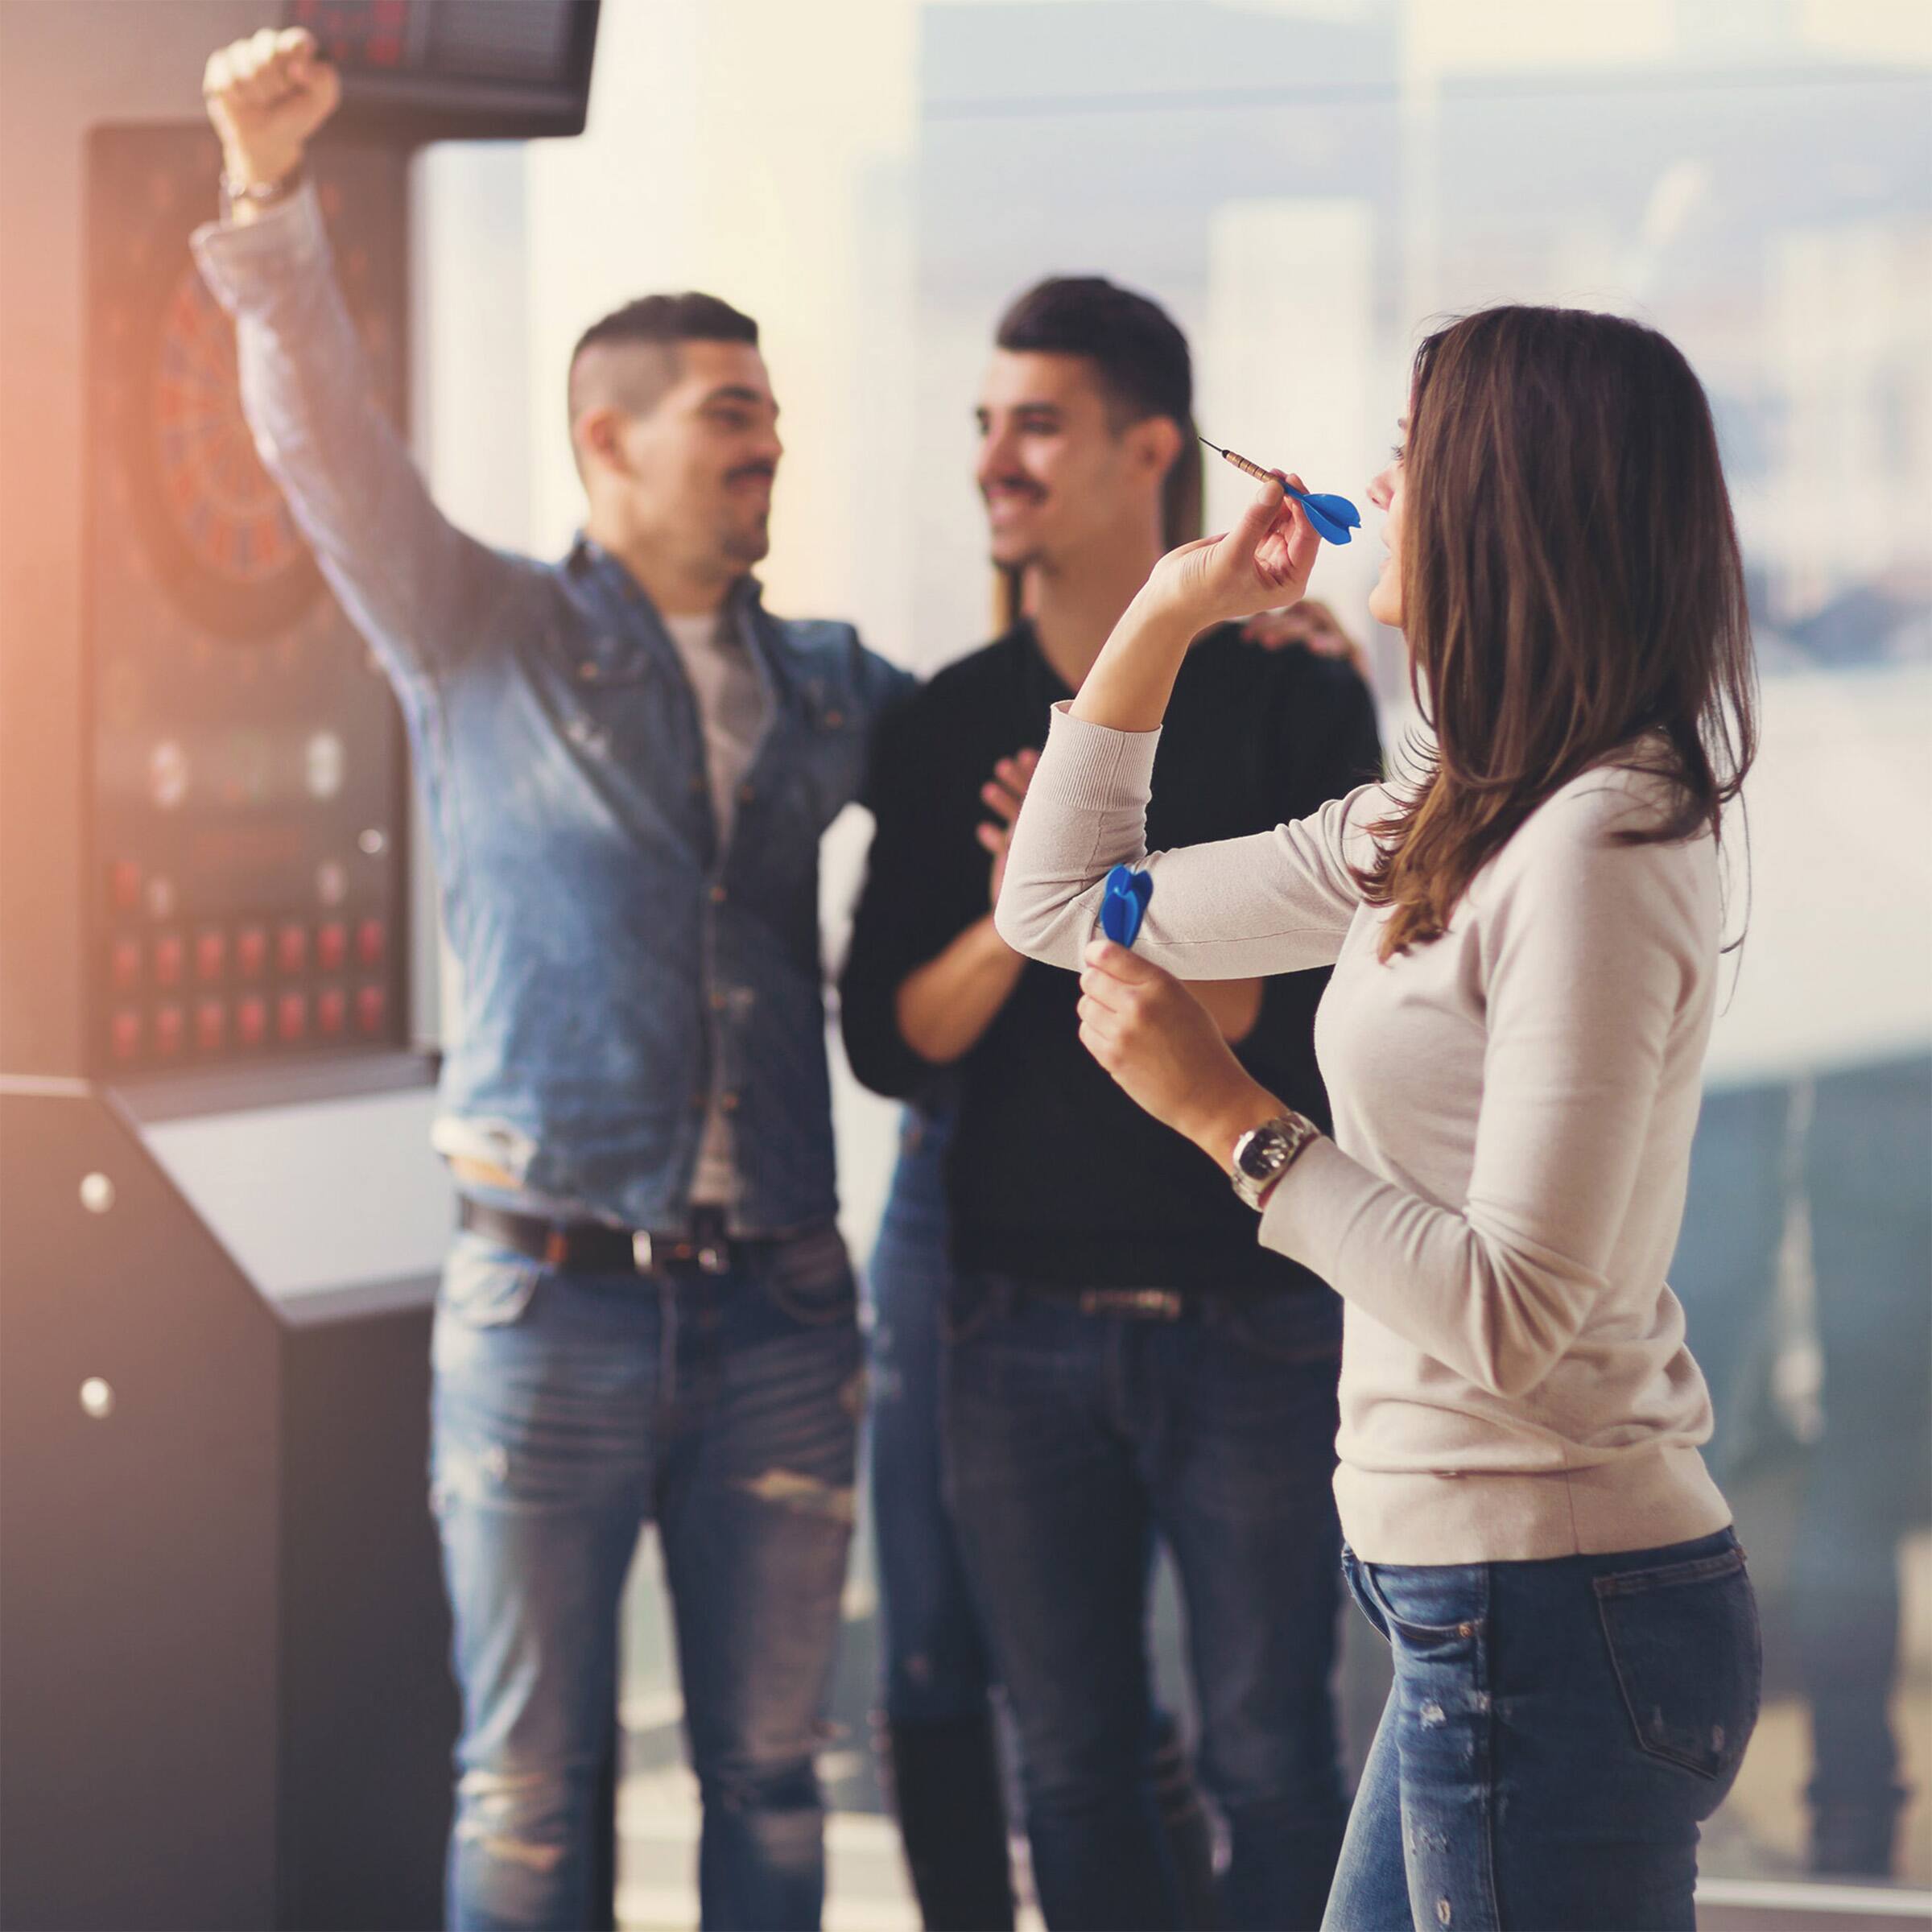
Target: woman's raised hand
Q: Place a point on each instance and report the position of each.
(1263, 562)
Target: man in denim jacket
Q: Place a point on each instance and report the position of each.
(626, 764)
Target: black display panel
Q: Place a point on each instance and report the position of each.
(474, 69)
(248, 786)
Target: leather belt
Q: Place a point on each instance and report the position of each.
(592, 1248)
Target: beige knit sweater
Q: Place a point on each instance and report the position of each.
(1513, 1108)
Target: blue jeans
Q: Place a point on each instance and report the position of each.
(569, 1410)
(1071, 1440)
(1556, 1732)
(934, 1660)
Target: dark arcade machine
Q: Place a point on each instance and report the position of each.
(224, 1680)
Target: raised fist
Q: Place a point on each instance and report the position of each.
(266, 95)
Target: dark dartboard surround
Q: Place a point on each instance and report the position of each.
(248, 787)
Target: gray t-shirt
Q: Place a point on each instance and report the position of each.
(733, 708)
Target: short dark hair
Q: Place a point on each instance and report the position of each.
(661, 322)
(1140, 358)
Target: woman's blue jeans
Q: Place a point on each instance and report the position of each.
(1556, 1733)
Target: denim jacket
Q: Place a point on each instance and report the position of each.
(616, 962)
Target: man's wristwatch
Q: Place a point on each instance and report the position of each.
(259, 194)
(1263, 1153)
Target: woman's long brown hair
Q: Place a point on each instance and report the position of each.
(1572, 595)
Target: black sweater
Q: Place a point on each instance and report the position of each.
(1055, 1175)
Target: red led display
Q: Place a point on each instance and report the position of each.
(251, 952)
(211, 1026)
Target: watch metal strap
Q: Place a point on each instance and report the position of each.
(260, 194)
(1290, 1135)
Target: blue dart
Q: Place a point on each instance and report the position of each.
(1124, 904)
(1333, 516)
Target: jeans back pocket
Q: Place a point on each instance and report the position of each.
(1683, 1643)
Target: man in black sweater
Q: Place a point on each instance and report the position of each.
(1124, 1359)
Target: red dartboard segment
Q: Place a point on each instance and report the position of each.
(223, 501)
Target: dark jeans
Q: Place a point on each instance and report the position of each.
(569, 1409)
(1861, 1158)
(1556, 1732)
(1071, 1440)
(935, 1664)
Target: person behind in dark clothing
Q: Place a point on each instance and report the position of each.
(1122, 1361)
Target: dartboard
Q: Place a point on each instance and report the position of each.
(212, 531)
(218, 498)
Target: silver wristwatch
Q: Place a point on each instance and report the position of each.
(1263, 1153)
(260, 194)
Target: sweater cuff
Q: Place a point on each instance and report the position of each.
(245, 264)
(1096, 767)
(1292, 1220)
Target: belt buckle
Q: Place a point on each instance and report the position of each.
(640, 1252)
(713, 1259)
(1136, 1304)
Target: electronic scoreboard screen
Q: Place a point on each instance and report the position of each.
(479, 69)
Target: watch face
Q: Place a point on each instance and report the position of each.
(1259, 1151)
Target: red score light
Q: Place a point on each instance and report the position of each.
(251, 1020)
(124, 1035)
(356, 33)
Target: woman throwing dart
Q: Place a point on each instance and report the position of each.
(1525, 945)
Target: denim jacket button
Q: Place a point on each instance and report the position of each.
(717, 895)
(718, 998)
(728, 1102)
